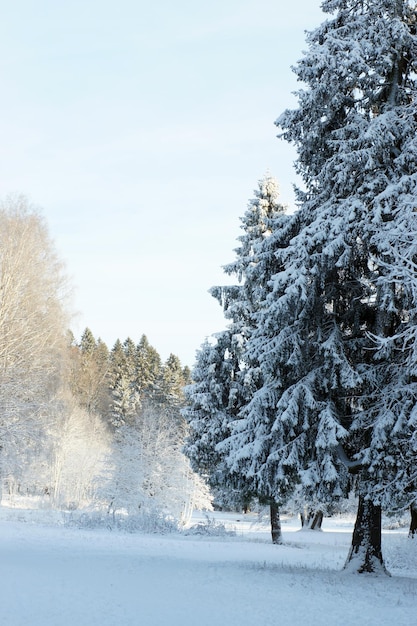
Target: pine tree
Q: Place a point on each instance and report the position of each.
(354, 313)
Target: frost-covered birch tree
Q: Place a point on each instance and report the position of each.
(33, 323)
(351, 264)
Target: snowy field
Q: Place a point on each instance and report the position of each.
(53, 574)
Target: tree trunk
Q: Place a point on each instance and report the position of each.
(317, 521)
(413, 523)
(366, 553)
(311, 520)
(275, 523)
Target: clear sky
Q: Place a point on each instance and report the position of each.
(141, 129)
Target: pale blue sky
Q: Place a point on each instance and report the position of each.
(141, 129)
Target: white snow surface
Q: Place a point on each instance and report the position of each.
(53, 574)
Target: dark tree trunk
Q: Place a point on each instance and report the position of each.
(317, 521)
(413, 523)
(366, 552)
(311, 520)
(275, 523)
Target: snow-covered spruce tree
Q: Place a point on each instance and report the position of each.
(254, 266)
(148, 368)
(351, 264)
(272, 442)
(169, 386)
(252, 269)
(124, 394)
(208, 412)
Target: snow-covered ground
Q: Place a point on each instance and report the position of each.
(55, 575)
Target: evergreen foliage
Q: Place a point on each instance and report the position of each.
(225, 376)
(208, 413)
(355, 131)
(325, 384)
